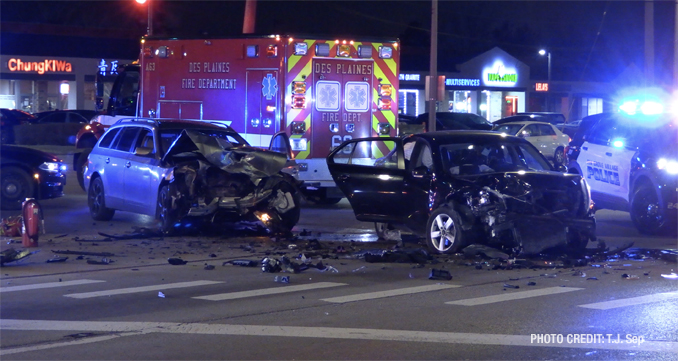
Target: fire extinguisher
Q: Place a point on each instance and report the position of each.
(31, 212)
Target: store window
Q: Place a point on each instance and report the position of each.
(590, 106)
(408, 102)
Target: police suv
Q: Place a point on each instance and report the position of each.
(630, 161)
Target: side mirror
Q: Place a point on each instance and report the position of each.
(561, 168)
(421, 172)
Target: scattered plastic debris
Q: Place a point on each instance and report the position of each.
(242, 263)
(437, 274)
(209, 267)
(532, 283)
(629, 277)
(506, 285)
(282, 279)
(270, 265)
(57, 259)
(671, 276)
(103, 261)
(176, 261)
(12, 255)
(592, 279)
(161, 295)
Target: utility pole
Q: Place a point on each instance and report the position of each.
(649, 43)
(433, 81)
(250, 17)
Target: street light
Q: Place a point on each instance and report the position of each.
(548, 55)
(149, 27)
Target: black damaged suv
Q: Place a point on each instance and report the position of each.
(631, 164)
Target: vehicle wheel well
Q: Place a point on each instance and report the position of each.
(639, 182)
(86, 141)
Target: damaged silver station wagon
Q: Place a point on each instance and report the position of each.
(458, 188)
(175, 169)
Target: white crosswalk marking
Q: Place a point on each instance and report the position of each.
(269, 291)
(389, 293)
(512, 296)
(657, 297)
(122, 291)
(47, 285)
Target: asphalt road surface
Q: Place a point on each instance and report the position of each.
(117, 297)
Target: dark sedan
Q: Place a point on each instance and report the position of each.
(456, 188)
(29, 173)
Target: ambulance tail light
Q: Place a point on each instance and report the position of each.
(299, 144)
(272, 51)
(300, 48)
(385, 52)
(298, 101)
(385, 90)
(299, 87)
(364, 51)
(148, 52)
(322, 49)
(344, 50)
(298, 127)
(163, 52)
(384, 128)
(385, 104)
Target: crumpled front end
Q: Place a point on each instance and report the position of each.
(213, 180)
(529, 213)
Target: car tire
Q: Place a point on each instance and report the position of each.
(16, 187)
(96, 199)
(444, 233)
(290, 218)
(80, 167)
(645, 211)
(559, 156)
(166, 216)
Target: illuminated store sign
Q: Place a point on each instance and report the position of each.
(500, 75)
(40, 67)
(108, 69)
(541, 87)
(462, 82)
(408, 77)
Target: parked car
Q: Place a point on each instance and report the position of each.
(446, 121)
(178, 169)
(631, 163)
(459, 187)
(29, 173)
(557, 119)
(10, 118)
(545, 136)
(64, 116)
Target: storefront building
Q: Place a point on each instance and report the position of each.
(35, 84)
(493, 84)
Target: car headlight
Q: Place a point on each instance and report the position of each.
(52, 167)
(670, 166)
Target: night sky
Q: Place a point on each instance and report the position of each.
(589, 40)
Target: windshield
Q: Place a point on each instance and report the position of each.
(510, 129)
(224, 138)
(476, 158)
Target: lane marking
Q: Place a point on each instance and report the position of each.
(63, 344)
(318, 332)
(123, 291)
(389, 293)
(657, 297)
(268, 291)
(512, 296)
(47, 285)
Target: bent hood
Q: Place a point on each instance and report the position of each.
(256, 163)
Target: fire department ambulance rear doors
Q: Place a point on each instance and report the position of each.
(342, 104)
(262, 108)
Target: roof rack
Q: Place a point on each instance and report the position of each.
(146, 120)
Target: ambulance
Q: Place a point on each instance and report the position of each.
(316, 93)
